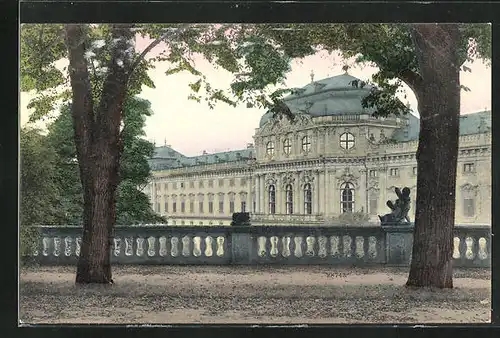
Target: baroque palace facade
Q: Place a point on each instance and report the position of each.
(333, 158)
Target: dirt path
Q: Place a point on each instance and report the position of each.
(204, 294)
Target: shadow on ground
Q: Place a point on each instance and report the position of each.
(264, 294)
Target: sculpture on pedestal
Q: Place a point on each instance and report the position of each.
(400, 208)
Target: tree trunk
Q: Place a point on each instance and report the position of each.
(99, 146)
(439, 106)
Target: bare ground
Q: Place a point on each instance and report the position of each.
(262, 294)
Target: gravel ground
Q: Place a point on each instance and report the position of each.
(263, 294)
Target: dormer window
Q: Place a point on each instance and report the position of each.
(270, 148)
(306, 144)
(287, 146)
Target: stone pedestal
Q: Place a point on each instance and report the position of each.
(399, 244)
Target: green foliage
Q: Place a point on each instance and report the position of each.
(132, 204)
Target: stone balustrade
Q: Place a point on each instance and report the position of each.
(295, 245)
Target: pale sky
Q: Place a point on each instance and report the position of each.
(191, 127)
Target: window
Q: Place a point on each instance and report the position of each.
(243, 182)
(414, 171)
(347, 141)
(210, 207)
(469, 168)
(191, 207)
(272, 199)
(174, 206)
(165, 186)
(191, 184)
(183, 206)
(174, 185)
(306, 144)
(287, 146)
(200, 184)
(373, 173)
(289, 199)
(210, 183)
(469, 207)
(347, 197)
(243, 206)
(231, 207)
(221, 182)
(231, 182)
(221, 207)
(308, 199)
(166, 206)
(158, 207)
(394, 172)
(182, 185)
(200, 204)
(270, 148)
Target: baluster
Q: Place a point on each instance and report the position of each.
(197, 246)
(261, 246)
(347, 240)
(274, 246)
(322, 252)
(57, 246)
(140, 249)
(129, 246)
(78, 243)
(208, 246)
(46, 246)
(186, 244)
(462, 247)
(483, 248)
(469, 253)
(174, 251)
(334, 245)
(117, 246)
(372, 247)
(298, 246)
(163, 246)
(360, 250)
(220, 246)
(285, 241)
(151, 246)
(67, 246)
(310, 240)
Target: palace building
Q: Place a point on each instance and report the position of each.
(333, 158)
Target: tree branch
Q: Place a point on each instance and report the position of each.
(412, 79)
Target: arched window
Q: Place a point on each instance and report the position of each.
(287, 146)
(347, 141)
(272, 199)
(306, 144)
(289, 199)
(308, 199)
(270, 148)
(346, 197)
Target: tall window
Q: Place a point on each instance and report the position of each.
(221, 207)
(469, 167)
(200, 184)
(166, 206)
(306, 144)
(191, 184)
(221, 182)
(183, 206)
(174, 206)
(308, 199)
(243, 206)
(201, 207)
(287, 146)
(243, 182)
(347, 197)
(347, 141)
(272, 199)
(191, 207)
(394, 172)
(210, 207)
(231, 182)
(231, 207)
(270, 148)
(210, 183)
(469, 203)
(289, 199)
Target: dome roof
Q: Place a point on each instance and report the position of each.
(335, 95)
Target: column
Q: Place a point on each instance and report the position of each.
(326, 195)
(279, 197)
(263, 194)
(317, 137)
(257, 194)
(362, 193)
(317, 186)
(297, 204)
(249, 200)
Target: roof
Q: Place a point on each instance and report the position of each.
(335, 95)
(469, 124)
(167, 158)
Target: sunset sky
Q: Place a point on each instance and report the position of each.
(191, 127)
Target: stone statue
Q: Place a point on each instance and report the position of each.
(400, 208)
